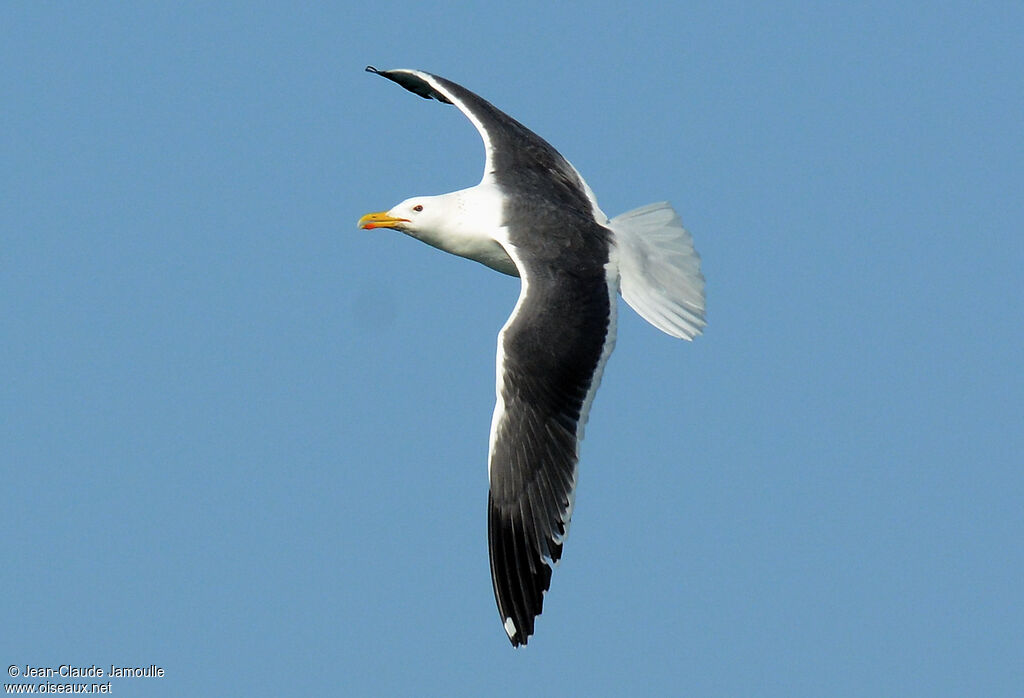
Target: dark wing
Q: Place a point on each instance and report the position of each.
(550, 357)
(512, 151)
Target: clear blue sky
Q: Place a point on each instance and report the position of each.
(244, 441)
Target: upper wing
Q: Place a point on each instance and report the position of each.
(551, 353)
(509, 146)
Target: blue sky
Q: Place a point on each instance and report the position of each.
(244, 441)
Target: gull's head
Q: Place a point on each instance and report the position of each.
(412, 216)
(465, 223)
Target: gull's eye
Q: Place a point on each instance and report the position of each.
(417, 208)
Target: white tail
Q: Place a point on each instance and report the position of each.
(660, 269)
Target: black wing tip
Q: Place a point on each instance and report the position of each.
(411, 82)
(519, 575)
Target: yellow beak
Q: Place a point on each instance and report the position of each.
(380, 220)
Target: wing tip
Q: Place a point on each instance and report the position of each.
(519, 582)
(413, 81)
(513, 633)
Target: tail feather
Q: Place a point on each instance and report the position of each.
(660, 269)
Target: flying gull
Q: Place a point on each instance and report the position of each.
(534, 217)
